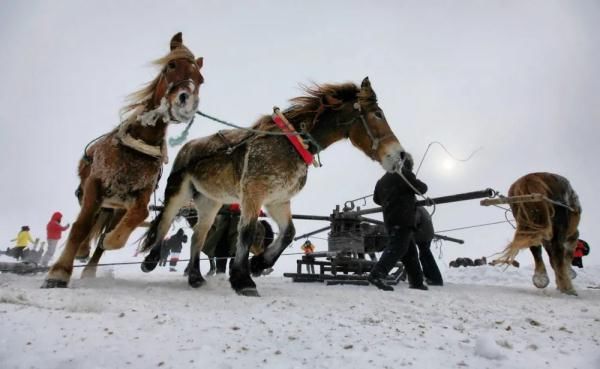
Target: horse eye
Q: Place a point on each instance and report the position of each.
(171, 65)
(378, 114)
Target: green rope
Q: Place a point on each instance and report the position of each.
(182, 137)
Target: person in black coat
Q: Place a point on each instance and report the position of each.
(423, 236)
(174, 244)
(397, 197)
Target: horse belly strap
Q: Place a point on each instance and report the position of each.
(306, 156)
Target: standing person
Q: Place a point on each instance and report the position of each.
(397, 197)
(423, 236)
(53, 233)
(175, 244)
(23, 239)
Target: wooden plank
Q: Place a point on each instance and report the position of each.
(534, 197)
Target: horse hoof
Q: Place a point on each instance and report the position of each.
(540, 280)
(147, 266)
(196, 282)
(88, 274)
(570, 292)
(249, 291)
(54, 283)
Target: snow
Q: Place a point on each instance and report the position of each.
(484, 317)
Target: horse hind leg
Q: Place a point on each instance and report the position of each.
(540, 275)
(282, 215)
(177, 194)
(207, 210)
(60, 273)
(562, 256)
(111, 219)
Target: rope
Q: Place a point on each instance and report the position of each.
(258, 131)
(475, 226)
(206, 259)
(447, 152)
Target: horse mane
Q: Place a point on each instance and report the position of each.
(319, 97)
(138, 101)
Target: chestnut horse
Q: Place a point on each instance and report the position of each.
(120, 170)
(237, 166)
(552, 223)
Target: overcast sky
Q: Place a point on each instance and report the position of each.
(518, 78)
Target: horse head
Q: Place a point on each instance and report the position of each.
(178, 85)
(353, 113)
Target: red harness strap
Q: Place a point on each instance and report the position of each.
(304, 153)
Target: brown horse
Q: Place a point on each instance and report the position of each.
(120, 170)
(552, 223)
(237, 166)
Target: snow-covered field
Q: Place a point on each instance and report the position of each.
(484, 317)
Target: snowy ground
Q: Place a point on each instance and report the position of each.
(484, 317)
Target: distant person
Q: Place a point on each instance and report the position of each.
(308, 248)
(423, 236)
(53, 233)
(23, 240)
(396, 195)
(581, 249)
(175, 244)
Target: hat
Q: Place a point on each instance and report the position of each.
(25, 228)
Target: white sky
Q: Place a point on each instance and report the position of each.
(519, 79)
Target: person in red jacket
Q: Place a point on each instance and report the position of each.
(53, 233)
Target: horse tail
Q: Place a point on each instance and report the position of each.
(161, 223)
(534, 219)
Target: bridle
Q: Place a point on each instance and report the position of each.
(375, 141)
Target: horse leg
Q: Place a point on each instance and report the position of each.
(207, 210)
(107, 225)
(101, 221)
(239, 271)
(132, 218)
(282, 215)
(562, 254)
(60, 273)
(177, 194)
(90, 269)
(540, 275)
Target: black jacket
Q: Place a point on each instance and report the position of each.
(398, 198)
(176, 241)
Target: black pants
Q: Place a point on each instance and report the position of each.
(430, 268)
(18, 252)
(400, 247)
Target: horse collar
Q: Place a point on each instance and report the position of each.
(125, 139)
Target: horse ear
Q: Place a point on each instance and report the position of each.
(365, 83)
(330, 100)
(200, 62)
(367, 90)
(176, 41)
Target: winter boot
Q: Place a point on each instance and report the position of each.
(378, 281)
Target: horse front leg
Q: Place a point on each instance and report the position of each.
(133, 217)
(239, 271)
(60, 273)
(282, 215)
(207, 210)
(540, 275)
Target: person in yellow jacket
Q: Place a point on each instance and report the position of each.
(23, 239)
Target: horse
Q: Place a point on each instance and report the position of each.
(256, 169)
(120, 170)
(552, 222)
